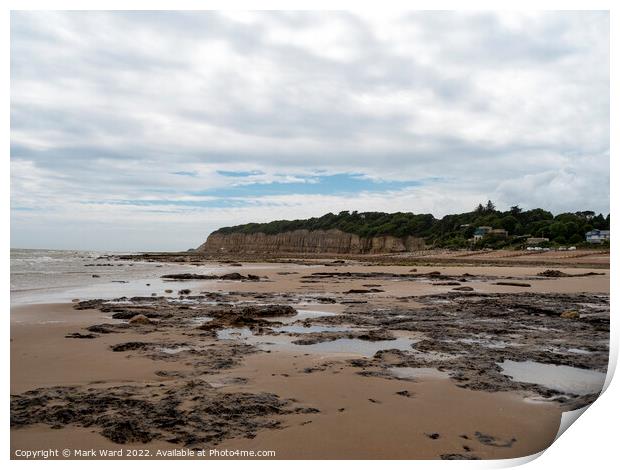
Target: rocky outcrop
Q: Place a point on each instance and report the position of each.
(305, 241)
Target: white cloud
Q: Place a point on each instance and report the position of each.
(108, 106)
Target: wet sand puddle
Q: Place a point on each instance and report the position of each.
(303, 315)
(285, 342)
(565, 379)
(199, 320)
(418, 373)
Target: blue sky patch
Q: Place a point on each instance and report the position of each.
(342, 184)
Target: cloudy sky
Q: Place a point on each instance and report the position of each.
(146, 131)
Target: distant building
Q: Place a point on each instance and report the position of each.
(536, 240)
(498, 232)
(597, 236)
(481, 232)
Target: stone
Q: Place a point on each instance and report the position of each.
(570, 314)
(140, 320)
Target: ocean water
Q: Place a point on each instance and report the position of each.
(42, 276)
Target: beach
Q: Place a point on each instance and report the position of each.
(322, 358)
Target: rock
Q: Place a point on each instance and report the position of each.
(104, 329)
(224, 277)
(81, 336)
(570, 314)
(168, 291)
(185, 292)
(254, 311)
(515, 284)
(458, 457)
(464, 288)
(131, 346)
(232, 277)
(493, 441)
(124, 432)
(376, 335)
(129, 314)
(188, 276)
(552, 273)
(190, 414)
(362, 291)
(556, 273)
(96, 275)
(140, 320)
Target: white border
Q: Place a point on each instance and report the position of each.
(591, 443)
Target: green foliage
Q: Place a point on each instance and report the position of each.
(453, 231)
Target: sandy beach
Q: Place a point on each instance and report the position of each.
(330, 360)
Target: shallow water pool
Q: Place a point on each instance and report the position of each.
(564, 379)
(418, 373)
(284, 342)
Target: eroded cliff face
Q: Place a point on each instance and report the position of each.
(305, 241)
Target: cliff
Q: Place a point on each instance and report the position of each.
(308, 241)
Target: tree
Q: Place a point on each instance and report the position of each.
(585, 214)
(509, 223)
(515, 210)
(490, 207)
(576, 238)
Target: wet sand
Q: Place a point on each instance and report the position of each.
(341, 413)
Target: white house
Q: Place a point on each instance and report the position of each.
(597, 236)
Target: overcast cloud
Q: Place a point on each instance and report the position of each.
(146, 131)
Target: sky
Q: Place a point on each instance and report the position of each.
(148, 130)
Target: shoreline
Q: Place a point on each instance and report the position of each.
(581, 258)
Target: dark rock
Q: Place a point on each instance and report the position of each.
(458, 457)
(81, 336)
(493, 441)
(515, 284)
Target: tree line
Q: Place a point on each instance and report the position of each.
(452, 231)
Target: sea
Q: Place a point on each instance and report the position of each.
(53, 276)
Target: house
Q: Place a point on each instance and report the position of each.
(536, 240)
(481, 232)
(597, 236)
(498, 232)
